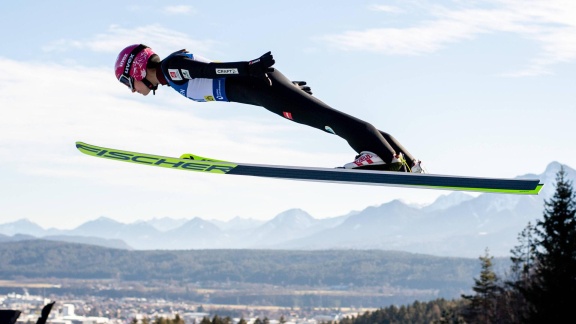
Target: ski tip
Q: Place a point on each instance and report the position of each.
(83, 145)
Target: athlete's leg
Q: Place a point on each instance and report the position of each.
(398, 147)
(288, 101)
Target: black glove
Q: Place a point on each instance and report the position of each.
(302, 86)
(259, 67)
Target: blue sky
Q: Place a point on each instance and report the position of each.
(482, 88)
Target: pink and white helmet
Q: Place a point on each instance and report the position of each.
(131, 63)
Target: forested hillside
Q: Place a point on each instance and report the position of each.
(48, 259)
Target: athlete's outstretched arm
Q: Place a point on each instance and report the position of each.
(256, 68)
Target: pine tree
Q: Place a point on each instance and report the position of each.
(552, 292)
(177, 320)
(523, 257)
(482, 308)
(205, 320)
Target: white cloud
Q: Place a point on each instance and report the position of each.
(424, 39)
(179, 10)
(385, 8)
(551, 24)
(161, 39)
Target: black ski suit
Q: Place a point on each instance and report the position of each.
(201, 80)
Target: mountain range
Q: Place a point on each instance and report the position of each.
(456, 225)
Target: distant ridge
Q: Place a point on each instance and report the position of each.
(456, 224)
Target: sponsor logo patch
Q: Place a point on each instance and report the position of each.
(175, 74)
(227, 71)
(209, 98)
(287, 115)
(365, 159)
(186, 74)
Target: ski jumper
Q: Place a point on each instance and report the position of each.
(201, 80)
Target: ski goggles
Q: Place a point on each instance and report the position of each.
(127, 81)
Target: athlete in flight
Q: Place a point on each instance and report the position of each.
(257, 83)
